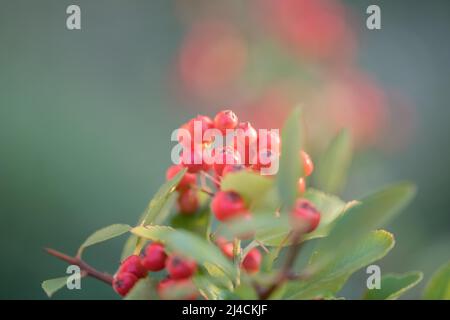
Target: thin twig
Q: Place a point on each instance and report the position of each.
(204, 190)
(90, 271)
(286, 271)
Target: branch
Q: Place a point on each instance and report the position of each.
(90, 271)
(286, 271)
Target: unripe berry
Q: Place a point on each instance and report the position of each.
(169, 289)
(154, 258)
(180, 267)
(308, 165)
(123, 282)
(227, 204)
(252, 261)
(301, 185)
(305, 216)
(133, 265)
(225, 156)
(185, 182)
(224, 120)
(188, 202)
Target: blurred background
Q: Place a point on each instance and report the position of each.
(86, 116)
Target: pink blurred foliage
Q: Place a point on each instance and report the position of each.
(317, 30)
(212, 57)
(223, 60)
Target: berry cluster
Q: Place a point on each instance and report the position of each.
(228, 205)
(225, 205)
(249, 150)
(155, 258)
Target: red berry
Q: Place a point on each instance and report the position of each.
(205, 121)
(301, 185)
(195, 162)
(188, 201)
(186, 137)
(269, 140)
(133, 265)
(169, 289)
(252, 261)
(224, 120)
(305, 215)
(246, 142)
(265, 159)
(154, 258)
(123, 282)
(245, 135)
(201, 124)
(226, 247)
(232, 168)
(180, 267)
(225, 156)
(308, 165)
(185, 182)
(227, 204)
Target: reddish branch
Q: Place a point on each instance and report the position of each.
(90, 271)
(286, 271)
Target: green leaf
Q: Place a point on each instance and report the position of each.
(272, 231)
(144, 289)
(250, 185)
(161, 197)
(166, 210)
(129, 247)
(371, 213)
(186, 243)
(394, 285)
(438, 288)
(134, 243)
(104, 234)
(331, 171)
(53, 285)
(297, 290)
(330, 280)
(246, 292)
(208, 288)
(267, 228)
(290, 169)
(153, 233)
(197, 223)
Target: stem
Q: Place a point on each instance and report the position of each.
(286, 271)
(210, 177)
(237, 259)
(90, 271)
(204, 190)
